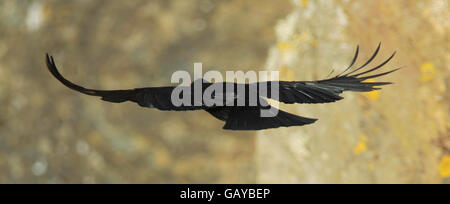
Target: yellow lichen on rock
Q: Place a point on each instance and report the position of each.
(285, 46)
(427, 71)
(444, 167)
(361, 146)
(303, 3)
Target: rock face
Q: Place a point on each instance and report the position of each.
(397, 135)
(49, 134)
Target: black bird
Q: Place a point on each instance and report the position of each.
(248, 117)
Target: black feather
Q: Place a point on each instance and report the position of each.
(328, 90)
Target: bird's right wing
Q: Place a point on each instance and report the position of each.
(154, 97)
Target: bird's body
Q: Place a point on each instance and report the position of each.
(246, 116)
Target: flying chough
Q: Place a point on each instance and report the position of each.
(248, 117)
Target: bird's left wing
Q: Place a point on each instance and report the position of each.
(153, 97)
(329, 90)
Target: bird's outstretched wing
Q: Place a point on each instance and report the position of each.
(154, 97)
(329, 90)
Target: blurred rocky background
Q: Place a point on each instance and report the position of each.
(398, 135)
(49, 134)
